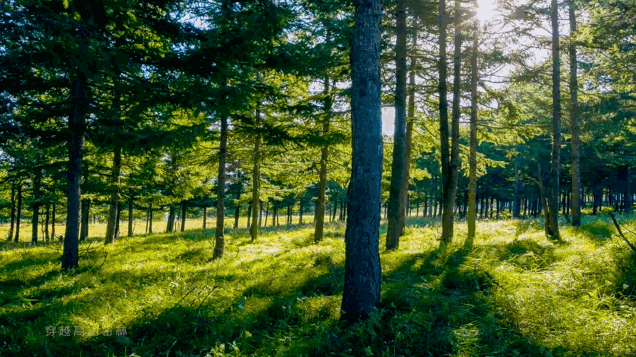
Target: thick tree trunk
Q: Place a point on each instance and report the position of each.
(171, 217)
(130, 216)
(443, 128)
(184, 212)
(574, 122)
(363, 273)
(395, 213)
(322, 187)
(86, 207)
(79, 100)
(114, 196)
(205, 217)
(219, 235)
(12, 224)
(472, 156)
(553, 222)
(37, 181)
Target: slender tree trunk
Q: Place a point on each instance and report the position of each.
(574, 122)
(130, 216)
(47, 218)
(205, 217)
(300, 218)
(184, 212)
(219, 246)
(256, 178)
(12, 225)
(472, 159)
(85, 214)
(627, 196)
(260, 214)
(516, 208)
(53, 222)
(395, 212)
(37, 180)
(322, 187)
(363, 272)
(18, 214)
(553, 223)
(249, 215)
(266, 213)
(114, 196)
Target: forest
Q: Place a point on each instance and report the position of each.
(317, 178)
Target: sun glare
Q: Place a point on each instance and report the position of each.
(486, 11)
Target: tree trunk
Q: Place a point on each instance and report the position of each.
(260, 214)
(37, 181)
(627, 196)
(47, 218)
(53, 222)
(396, 192)
(130, 217)
(12, 225)
(516, 208)
(219, 235)
(574, 122)
(300, 218)
(256, 178)
(205, 217)
(184, 212)
(553, 222)
(443, 128)
(114, 196)
(472, 156)
(171, 217)
(363, 272)
(150, 219)
(86, 207)
(249, 215)
(266, 213)
(322, 187)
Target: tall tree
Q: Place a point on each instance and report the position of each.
(363, 273)
(322, 185)
(394, 226)
(472, 160)
(443, 117)
(574, 120)
(555, 167)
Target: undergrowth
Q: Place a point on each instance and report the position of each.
(514, 294)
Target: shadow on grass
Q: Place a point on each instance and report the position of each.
(598, 231)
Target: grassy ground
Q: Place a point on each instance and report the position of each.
(513, 294)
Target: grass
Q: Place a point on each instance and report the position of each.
(514, 294)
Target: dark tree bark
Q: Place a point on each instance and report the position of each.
(184, 212)
(53, 222)
(300, 218)
(627, 195)
(219, 235)
(516, 208)
(322, 186)
(394, 224)
(18, 214)
(205, 217)
(150, 219)
(114, 196)
(472, 159)
(46, 223)
(37, 181)
(79, 100)
(363, 273)
(249, 215)
(553, 222)
(171, 218)
(86, 206)
(256, 178)
(443, 118)
(12, 224)
(574, 122)
(130, 216)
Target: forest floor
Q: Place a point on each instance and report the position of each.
(513, 294)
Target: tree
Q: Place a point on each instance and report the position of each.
(574, 121)
(472, 160)
(394, 226)
(555, 166)
(363, 274)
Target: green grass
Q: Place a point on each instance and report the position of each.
(514, 294)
